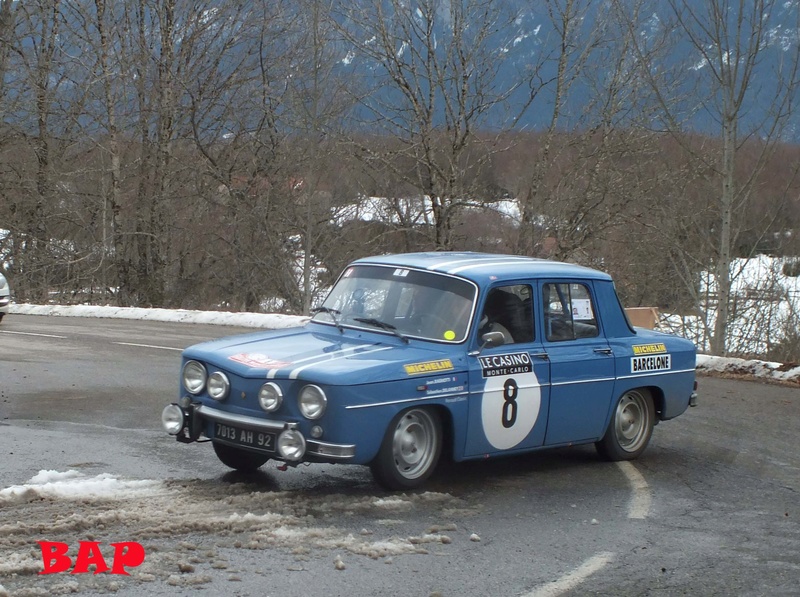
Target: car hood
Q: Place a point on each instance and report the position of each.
(333, 358)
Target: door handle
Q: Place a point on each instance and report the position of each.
(541, 355)
(604, 351)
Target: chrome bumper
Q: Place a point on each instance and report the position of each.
(314, 447)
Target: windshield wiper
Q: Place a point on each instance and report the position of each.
(381, 324)
(333, 313)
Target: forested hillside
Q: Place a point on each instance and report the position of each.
(237, 154)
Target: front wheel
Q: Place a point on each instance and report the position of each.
(410, 450)
(236, 458)
(630, 428)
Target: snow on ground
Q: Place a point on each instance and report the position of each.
(255, 320)
(72, 484)
(188, 523)
(705, 363)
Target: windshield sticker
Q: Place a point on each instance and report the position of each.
(255, 359)
(401, 273)
(449, 335)
(647, 364)
(582, 309)
(506, 364)
(429, 366)
(649, 348)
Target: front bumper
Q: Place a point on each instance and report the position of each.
(195, 417)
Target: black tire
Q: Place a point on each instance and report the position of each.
(630, 427)
(410, 450)
(239, 459)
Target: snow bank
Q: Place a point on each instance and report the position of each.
(762, 369)
(255, 320)
(74, 485)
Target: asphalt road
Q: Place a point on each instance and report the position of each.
(712, 508)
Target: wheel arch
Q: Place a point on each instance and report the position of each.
(657, 394)
(448, 432)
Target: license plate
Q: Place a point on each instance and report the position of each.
(260, 440)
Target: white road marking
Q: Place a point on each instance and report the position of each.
(574, 578)
(148, 346)
(33, 334)
(639, 506)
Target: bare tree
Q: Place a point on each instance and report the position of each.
(437, 84)
(731, 42)
(32, 48)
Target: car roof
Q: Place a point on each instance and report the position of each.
(483, 268)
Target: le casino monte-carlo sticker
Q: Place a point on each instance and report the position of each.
(650, 357)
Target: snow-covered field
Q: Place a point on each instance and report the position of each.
(765, 306)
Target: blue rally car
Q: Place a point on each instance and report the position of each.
(485, 355)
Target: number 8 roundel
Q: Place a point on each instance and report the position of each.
(511, 399)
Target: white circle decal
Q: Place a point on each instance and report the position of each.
(511, 399)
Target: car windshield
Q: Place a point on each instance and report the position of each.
(402, 301)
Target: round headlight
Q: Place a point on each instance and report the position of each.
(218, 385)
(172, 419)
(291, 445)
(194, 377)
(270, 397)
(312, 402)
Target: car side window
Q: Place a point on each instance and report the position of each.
(568, 312)
(508, 310)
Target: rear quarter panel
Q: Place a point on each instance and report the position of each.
(665, 364)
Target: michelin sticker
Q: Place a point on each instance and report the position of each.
(639, 349)
(511, 398)
(429, 367)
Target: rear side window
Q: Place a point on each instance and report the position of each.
(569, 313)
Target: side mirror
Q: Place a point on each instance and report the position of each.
(491, 339)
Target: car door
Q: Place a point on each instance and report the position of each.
(509, 384)
(582, 370)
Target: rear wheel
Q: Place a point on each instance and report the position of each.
(410, 450)
(630, 428)
(236, 458)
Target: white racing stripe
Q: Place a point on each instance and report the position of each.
(639, 506)
(481, 265)
(320, 356)
(296, 372)
(574, 578)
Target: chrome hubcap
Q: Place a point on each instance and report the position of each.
(631, 421)
(414, 444)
